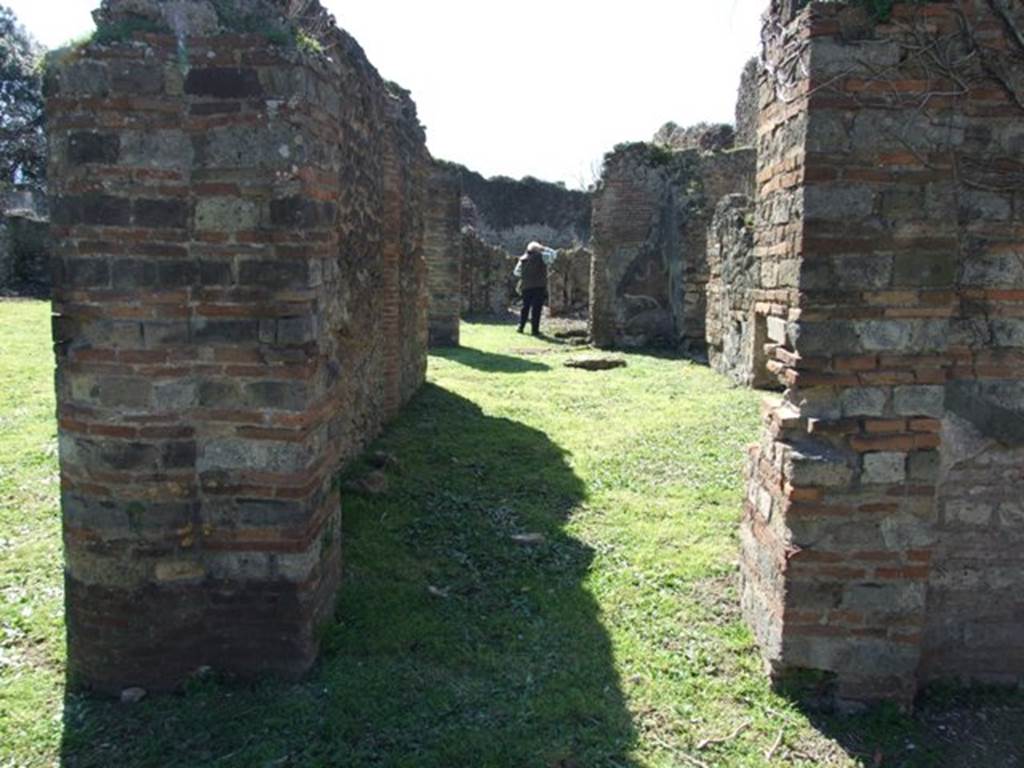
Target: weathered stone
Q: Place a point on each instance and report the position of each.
(817, 464)
(920, 401)
(887, 468)
(87, 147)
(868, 401)
(226, 214)
(223, 83)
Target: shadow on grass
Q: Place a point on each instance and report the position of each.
(489, 362)
(950, 727)
(457, 643)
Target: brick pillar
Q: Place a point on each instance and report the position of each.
(225, 338)
(442, 248)
(883, 273)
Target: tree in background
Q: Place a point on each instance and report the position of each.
(22, 138)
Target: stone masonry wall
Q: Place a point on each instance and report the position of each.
(650, 222)
(736, 334)
(882, 542)
(239, 305)
(25, 253)
(489, 287)
(569, 283)
(443, 247)
(748, 104)
(510, 213)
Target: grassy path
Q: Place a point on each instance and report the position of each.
(609, 638)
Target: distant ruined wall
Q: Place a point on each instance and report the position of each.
(882, 542)
(24, 253)
(736, 333)
(488, 287)
(6, 256)
(444, 255)
(240, 305)
(510, 213)
(650, 221)
(569, 283)
(748, 106)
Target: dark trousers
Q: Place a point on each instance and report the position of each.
(533, 303)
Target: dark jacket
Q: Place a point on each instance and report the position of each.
(535, 272)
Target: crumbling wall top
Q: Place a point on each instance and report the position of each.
(208, 17)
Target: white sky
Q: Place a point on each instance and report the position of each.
(531, 87)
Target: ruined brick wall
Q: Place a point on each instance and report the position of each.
(882, 541)
(6, 256)
(736, 334)
(24, 253)
(650, 220)
(510, 213)
(443, 250)
(488, 286)
(748, 106)
(227, 229)
(569, 283)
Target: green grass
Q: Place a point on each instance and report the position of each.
(614, 642)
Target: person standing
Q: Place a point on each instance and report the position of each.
(532, 270)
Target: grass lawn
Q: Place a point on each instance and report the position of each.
(611, 639)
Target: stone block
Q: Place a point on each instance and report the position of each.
(279, 273)
(925, 270)
(884, 335)
(178, 455)
(884, 468)
(1007, 332)
(278, 395)
(988, 270)
(838, 202)
(223, 83)
(810, 463)
(924, 467)
(777, 330)
(135, 78)
(215, 273)
(985, 205)
(219, 393)
(94, 208)
(969, 512)
(85, 147)
(177, 274)
(258, 455)
(204, 331)
(920, 401)
(87, 273)
(161, 214)
(122, 391)
(134, 274)
(226, 214)
(174, 395)
(163, 149)
(864, 401)
(830, 337)
(301, 212)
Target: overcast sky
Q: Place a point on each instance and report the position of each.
(532, 87)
